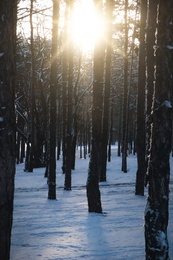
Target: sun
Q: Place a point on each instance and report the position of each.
(88, 26)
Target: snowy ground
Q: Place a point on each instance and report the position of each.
(63, 229)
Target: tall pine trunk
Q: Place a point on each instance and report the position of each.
(64, 90)
(124, 135)
(140, 138)
(8, 12)
(93, 192)
(30, 163)
(53, 86)
(157, 208)
(109, 18)
(150, 38)
(68, 168)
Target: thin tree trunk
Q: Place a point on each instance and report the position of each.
(58, 142)
(140, 138)
(157, 208)
(110, 133)
(30, 164)
(8, 13)
(75, 121)
(124, 137)
(81, 135)
(22, 156)
(64, 90)
(109, 18)
(17, 147)
(69, 137)
(53, 86)
(120, 127)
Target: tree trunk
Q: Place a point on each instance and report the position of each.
(58, 141)
(93, 192)
(109, 18)
(53, 86)
(64, 90)
(124, 137)
(110, 133)
(120, 127)
(75, 119)
(140, 138)
(8, 12)
(151, 29)
(30, 164)
(17, 147)
(22, 155)
(156, 213)
(69, 137)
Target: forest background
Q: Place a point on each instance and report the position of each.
(89, 75)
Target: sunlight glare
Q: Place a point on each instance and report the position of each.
(87, 25)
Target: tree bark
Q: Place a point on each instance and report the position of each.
(156, 213)
(150, 42)
(109, 18)
(140, 138)
(124, 135)
(30, 163)
(53, 86)
(68, 168)
(64, 90)
(93, 192)
(8, 13)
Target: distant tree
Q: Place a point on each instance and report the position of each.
(157, 208)
(140, 138)
(21, 138)
(76, 106)
(42, 48)
(8, 13)
(53, 87)
(93, 192)
(38, 54)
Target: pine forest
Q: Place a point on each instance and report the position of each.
(77, 78)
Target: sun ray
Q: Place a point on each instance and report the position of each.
(87, 25)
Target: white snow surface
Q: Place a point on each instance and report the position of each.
(63, 229)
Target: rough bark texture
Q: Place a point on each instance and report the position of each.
(150, 38)
(156, 213)
(7, 122)
(140, 139)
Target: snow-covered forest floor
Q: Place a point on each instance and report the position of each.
(63, 229)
